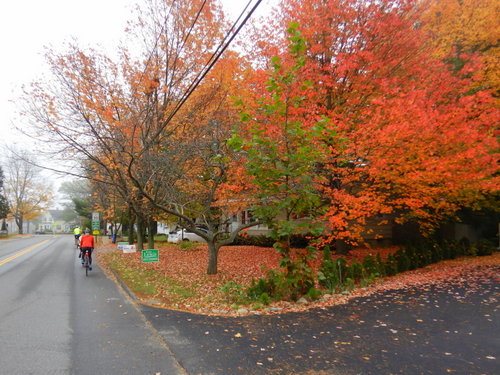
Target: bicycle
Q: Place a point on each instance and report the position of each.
(86, 262)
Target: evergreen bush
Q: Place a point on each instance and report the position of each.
(355, 271)
(485, 247)
(332, 272)
(370, 265)
(403, 261)
(391, 265)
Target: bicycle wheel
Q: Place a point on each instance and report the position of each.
(86, 263)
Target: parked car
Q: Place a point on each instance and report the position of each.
(185, 235)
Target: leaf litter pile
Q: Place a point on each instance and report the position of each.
(179, 280)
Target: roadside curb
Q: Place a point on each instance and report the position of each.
(110, 272)
(124, 286)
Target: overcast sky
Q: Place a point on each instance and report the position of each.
(26, 26)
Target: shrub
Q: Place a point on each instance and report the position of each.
(381, 265)
(391, 265)
(349, 284)
(436, 252)
(355, 271)
(485, 247)
(234, 292)
(412, 256)
(332, 273)
(264, 299)
(260, 240)
(273, 287)
(403, 261)
(329, 281)
(259, 287)
(422, 253)
(298, 241)
(368, 280)
(370, 265)
(313, 293)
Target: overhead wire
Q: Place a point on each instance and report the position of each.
(163, 27)
(223, 45)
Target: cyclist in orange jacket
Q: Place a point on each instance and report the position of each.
(87, 243)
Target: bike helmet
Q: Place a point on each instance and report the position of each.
(87, 231)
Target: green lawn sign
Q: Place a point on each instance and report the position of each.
(150, 256)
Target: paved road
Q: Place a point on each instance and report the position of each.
(54, 320)
(450, 328)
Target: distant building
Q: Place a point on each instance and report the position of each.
(53, 221)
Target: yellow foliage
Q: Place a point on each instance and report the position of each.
(467, 26)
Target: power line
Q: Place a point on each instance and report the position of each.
(211, 62)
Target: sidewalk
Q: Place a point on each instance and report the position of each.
(448, 328)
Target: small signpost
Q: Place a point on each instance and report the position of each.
(96, 224)
(150, 255)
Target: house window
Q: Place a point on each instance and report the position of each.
(246, 217)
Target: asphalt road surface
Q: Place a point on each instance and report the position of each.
(55, 320)
(448, 328)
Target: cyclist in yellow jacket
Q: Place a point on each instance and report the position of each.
(77, 232)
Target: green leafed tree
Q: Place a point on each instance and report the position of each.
(77, 192)
(281, 154)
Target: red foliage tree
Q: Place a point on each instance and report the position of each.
(419, 145)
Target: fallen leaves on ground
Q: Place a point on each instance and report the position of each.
(179, 279)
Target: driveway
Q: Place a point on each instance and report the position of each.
(447, 328)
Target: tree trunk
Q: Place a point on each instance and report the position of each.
(130, 229)
(140, 233)
(213, 254)
(19, 222)
(151, 233)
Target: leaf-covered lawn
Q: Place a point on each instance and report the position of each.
(179, 279)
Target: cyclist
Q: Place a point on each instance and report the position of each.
(87, 244)
(77, 232)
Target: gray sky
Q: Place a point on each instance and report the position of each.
(26, 26)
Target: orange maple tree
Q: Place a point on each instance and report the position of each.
(419, 145)
(137, 125)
